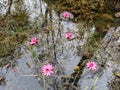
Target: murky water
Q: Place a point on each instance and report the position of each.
(52, 47)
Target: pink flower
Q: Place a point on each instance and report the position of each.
(68, 35)
(117, 14)
(7, 65)
(66, 14)
(91, 65)
(33, 41)
(47, 69)
(15, 69)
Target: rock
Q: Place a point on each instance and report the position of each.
(107, 57)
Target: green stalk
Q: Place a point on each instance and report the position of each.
(44, 82)
(38, 60)
(93, 86)
(34, 53)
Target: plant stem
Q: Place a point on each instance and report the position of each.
(44, 82)
(93, 86)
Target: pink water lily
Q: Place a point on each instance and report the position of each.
(91, 65)
(68, 35)
(33, 41)
(47, 69)
(66, 14)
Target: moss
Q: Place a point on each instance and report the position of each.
(86, 10)
(13, 31)
(9, 43)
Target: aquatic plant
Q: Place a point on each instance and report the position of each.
(47, 69)
(91, 65)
